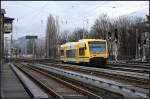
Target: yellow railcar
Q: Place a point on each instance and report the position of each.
(90, 51)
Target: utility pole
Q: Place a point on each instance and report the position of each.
(149, 47)
(136, 31)
(34, 48)
(116, 45)
(83, 30)
(87, 22)
(109, 35)
(11, 46)
(6, 49)
(144, 47)
(85, 26)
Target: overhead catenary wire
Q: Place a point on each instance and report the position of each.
(66, 21)
(35, 13)
(39, 12)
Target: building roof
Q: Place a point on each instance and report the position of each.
(31, 37)
(3, 11)
(8, 19)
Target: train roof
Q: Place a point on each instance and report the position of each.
(91, 40)
(68, 43)
(82, 40)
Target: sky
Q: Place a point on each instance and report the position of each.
(31, 16)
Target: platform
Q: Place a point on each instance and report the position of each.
(11, 87)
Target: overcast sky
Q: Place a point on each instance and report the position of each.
(31, 16)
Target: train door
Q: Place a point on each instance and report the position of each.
(77, 52)
(81, 52)
(65, 47)
(86, 53)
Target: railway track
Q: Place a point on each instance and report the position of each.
(140, 66)
(137, 79)
(99, 86)
(55, 86)
(124, 89)
(123, 66)
(127, 68)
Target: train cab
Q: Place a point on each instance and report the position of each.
(87, 51)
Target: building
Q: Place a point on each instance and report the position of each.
(2, 34)
(5, 28)
(40, 47)
(26, 46)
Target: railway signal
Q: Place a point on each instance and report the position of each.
(116, 34)
(109, 35)
(139, 40)
(144, 42)
(110, 45)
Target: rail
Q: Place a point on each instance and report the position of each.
(35, 74)
(137, 79)
(126, 91)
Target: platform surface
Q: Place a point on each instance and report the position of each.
(11, 87)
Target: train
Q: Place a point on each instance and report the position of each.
(85, 51)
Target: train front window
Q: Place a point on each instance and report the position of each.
(97, 47)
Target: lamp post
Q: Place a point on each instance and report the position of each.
(83, 29)
(85, 26)
(6, 48)
(110, 44)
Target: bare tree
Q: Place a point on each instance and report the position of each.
(52, 37)
(78, 34)
(101, 27)
(63, 37)
(127, 35)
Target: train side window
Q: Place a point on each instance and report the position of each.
(85, 46)
(73, 53)
(70, 53)
(81, 51)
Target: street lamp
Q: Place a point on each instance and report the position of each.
(85, 27)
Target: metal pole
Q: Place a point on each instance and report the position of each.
(6, 48)
(83, 30)
(11, 45)
(136, 44)
(149, 47)
(33, 48)
(87, 25)
(144, 48)
(116, 49)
